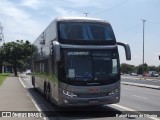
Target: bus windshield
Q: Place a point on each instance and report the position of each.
(85, 31)
(90, 65)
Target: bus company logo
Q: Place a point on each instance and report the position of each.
(6, 114)
(93, 90)
(78, 53)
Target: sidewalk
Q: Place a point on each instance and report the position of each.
(14, 97)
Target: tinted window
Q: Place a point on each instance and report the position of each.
(90, 65)
(85, 31)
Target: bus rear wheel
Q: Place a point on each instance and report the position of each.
(33, 81)
(47, 91)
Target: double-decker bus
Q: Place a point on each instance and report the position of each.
(77, 62)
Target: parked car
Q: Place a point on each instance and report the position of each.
(28, 72)
(153, 74)
(133, 74)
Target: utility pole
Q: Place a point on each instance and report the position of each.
(143, 44)
(1, 39)
(86, 14)
(1, 33)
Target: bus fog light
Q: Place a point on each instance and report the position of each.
(117, 98)
(114, 91)
(66, 101)
(68, 93)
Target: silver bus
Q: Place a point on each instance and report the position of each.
(77, 62)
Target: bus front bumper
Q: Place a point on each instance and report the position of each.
(76, 101)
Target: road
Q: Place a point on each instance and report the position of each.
(135, 99)
(140, 80)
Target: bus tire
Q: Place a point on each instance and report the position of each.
(44, 92)
(48, 92)
(33, 81)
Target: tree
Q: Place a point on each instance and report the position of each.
(152, 68)
(0, 59)
(142, 68)
(126, 68)
(18, 54)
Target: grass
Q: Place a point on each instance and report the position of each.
(3, 76)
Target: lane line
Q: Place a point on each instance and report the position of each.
(155, 81)
(36, 105)
(141, 78)
(129, 109)
(140, 97)
(122, 107)
(128, 89)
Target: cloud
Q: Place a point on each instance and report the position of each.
(18, 24)
(65, 12)
(34, 4)
(9, 10)
(76, 7)
(83, 3)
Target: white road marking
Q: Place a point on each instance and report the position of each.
(140, 97)
(38, 108)
(127, 89)
(22, 82)
(155, 81)
(122, 107)
(129, 109)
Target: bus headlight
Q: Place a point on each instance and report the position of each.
(68, 93)
(114, 91)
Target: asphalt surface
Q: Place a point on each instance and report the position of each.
(139, 98)
(133, 98)
(140, 80)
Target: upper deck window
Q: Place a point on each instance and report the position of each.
(85, 31)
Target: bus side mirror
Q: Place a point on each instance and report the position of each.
(56, 50)
(127, 50)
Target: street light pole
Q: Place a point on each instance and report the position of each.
(86, 14)
(143, 44)
(1, 33)
(1, 39)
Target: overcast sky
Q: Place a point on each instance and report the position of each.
(26, 19)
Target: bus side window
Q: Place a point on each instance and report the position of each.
(52, 60)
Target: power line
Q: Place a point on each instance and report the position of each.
(106, 10)
(131, 28)
(153, 22)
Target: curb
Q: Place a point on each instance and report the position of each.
(139, 78)
(142, 85)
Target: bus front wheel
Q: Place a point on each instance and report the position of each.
(33, 81)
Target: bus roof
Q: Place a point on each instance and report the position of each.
(80, 19)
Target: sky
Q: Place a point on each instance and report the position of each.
(26, 19)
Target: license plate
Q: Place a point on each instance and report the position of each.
(93, 101)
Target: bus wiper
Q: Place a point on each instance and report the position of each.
(88, 76)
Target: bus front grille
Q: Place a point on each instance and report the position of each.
(91, 95)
